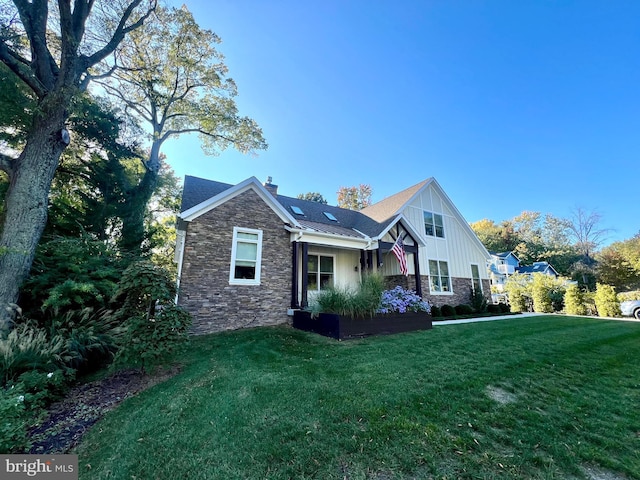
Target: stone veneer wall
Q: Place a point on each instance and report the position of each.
(461, 289)
(205, 292)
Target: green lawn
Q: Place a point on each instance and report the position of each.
(539, 397)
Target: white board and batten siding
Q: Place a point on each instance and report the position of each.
(458, 247)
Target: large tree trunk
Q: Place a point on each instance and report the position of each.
(137, 199)
(26, 204)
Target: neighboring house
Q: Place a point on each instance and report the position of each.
(505, 264)
(502, 265)
(248, 256)
(538, 267)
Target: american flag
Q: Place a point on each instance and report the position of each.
(398, 251)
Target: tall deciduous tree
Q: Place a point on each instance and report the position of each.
(587, 231)
(497, 238)
(170, 77)
(355, 198)
(619, 264)
(52, 52)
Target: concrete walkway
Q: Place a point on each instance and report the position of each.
(527, 314)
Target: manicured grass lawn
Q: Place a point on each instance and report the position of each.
(541, 397)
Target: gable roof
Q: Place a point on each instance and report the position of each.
(226, 194)
(395, 204)
(200, 195)
(391, 206)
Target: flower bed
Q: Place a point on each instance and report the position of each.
(343, 327)
(369, 310)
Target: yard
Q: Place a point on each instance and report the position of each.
(542, 397)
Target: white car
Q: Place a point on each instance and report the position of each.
(631, 308)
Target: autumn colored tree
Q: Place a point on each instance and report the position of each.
(355, 198)
(619, 264)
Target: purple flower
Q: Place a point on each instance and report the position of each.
(400, 300)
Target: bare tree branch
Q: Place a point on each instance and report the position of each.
(118, 35)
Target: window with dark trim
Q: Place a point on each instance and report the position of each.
(433, 224)
(320, 272)
(476, 283)
(439, 276)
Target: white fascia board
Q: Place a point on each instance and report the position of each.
(250, 183)
(461, 219)
(328, 239)
(407, 226)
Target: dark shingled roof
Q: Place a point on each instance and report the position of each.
(389, 207)
(197, 190)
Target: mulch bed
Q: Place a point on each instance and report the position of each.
(67, 420)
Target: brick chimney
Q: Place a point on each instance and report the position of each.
(273, 189)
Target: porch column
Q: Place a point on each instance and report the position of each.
(294, 276)
(416, 267)
(305, 274)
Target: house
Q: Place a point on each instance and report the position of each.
(248, 256)
(502, 265)
(505, 264)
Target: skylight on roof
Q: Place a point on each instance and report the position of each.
(330, 216)
(297, 210)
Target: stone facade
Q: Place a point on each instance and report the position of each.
(461, 289)
(205, 292)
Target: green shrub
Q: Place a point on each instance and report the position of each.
(463, 309)
(91, 338)
(150, 341)
(504, 308)
(361, 303)
(478, 301)
(26, 348)
(573, 301)
(607, 301)
(154, 326)
(13, 427)
(541, 287)
(435, 311)
(494, 309)
(71, 274)
(624, 296)
(518, 290)
(448, 311)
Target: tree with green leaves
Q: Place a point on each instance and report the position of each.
(170, 77)
(355, 198)
(496, 237)
(312, 197)
(52, 47)
(619, 264)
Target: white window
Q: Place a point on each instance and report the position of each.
(320, 272)
(476, 283)
(246, 256)
(433, 224)
(439, 276)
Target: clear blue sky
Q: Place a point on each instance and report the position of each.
(510, 105)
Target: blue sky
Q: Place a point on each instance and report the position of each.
(511, 106)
